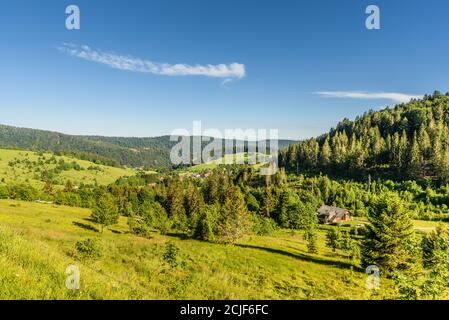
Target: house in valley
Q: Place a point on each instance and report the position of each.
(330, 215)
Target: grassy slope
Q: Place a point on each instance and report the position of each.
(20, 174)
(36, 241)
(239, 158)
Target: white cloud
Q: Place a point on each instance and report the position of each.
(129, 63)
(393, 96)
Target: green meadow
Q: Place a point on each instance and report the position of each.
(37, 243)
(226, 159)
(18, 166)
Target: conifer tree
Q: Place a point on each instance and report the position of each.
(174, 204)
(193, 201)
(389, 229)
(234, 220)
(325, 157)
(334, 238)
(414, 163)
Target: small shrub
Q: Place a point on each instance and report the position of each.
(263, 226)
(89, 249)
(171, 253)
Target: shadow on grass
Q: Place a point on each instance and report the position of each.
(301, 256)
(85, 226)
(179, 235)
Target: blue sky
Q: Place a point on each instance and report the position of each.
(290, 51)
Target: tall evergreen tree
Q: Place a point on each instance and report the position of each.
(389, 229)
(414, 164)
(234, 220)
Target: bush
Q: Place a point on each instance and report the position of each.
(170, 255)
(88, 249)
(4, 192)
(24, 192)
(138, 226)
(205, 224)
(263, 226)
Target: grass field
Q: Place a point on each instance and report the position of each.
(37, 242)
(419, 225)
(26, 168)
(238, 158)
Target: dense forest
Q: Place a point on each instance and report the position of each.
(409, 141)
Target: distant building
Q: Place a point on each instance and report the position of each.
(329, 215)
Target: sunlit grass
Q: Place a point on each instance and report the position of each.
(38, 241)
(24, 174)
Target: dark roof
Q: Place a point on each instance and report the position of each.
(329, 210)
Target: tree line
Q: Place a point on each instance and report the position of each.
(409, 141)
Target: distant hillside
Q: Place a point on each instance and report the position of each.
(36, 168)
(114, 151)
(409, 141)
(99, 150)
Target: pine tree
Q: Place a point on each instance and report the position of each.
(334, 239)
(267, 205)
(435, 249)
(175, 199)
(389, 229)
(204, 229)
(414, 164)
(350, 247)
(325, 157)
(424, 142)
(212, 189)
(234, 220)
(193, 201)
(312, 242)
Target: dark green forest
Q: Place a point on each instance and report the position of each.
(409, 141)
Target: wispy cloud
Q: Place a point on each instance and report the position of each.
(393, 96)
(129, 63)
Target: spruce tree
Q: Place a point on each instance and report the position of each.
(312, 241)
(334, 238)
(389, 229)
(193, 201)
(234, 220)
(174, 204)
(325, 156)
(414, 163)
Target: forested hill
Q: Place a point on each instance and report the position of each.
(96, 150)
(409, 141)
(114, 151)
